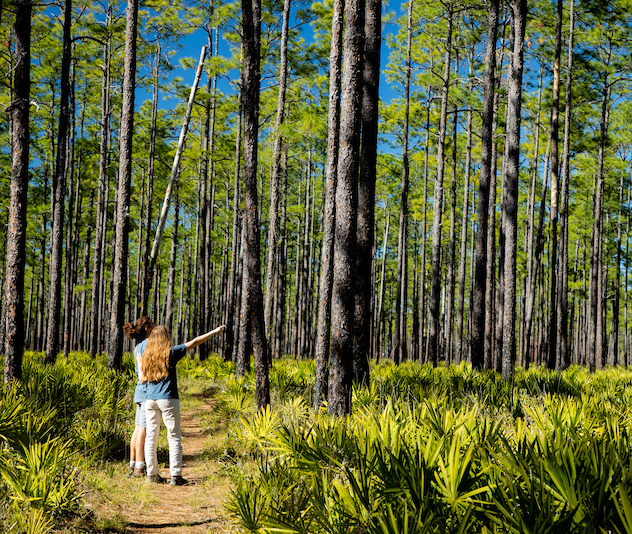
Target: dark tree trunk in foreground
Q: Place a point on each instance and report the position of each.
(58, 191)
(16, 238)
(121, 246)
(343, 292)
(511, 177)
(366, 193)
(327, 254)
(252, 297)
(478, 308)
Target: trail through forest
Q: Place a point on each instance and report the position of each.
(162, 509)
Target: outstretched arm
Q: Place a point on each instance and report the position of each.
(189, 345)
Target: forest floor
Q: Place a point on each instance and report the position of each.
(123, 504)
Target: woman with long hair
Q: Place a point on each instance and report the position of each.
(139, 332)
(158, 368)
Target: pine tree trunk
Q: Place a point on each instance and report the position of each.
(72, 235)
(305, 265)
(423, 352)
(209, 200)
(449, 300)
(343, 291)
(97, 278)
(279, 335)
(229, 336)
(595, 338)
(171, 278)
(41, 315)
(324, 295)
(16, 236)
(562, 312)
(510, 188)
(366, 192)
(493, 301)
(83, 324)
(115, 342)
(146, 274)
(326, 261)
(437, 212)
(477, 344)
(401, 299)
(175, 167)
(554, 136)
(459, 355)
(252, 298)
(273, 251)
(380, 344)
(532, 264)
(58, 193)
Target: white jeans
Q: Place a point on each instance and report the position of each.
(170, 411)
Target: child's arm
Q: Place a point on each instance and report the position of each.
(189, 345)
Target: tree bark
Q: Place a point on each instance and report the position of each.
(252, 298)
(321, 383)
(480, 286)
(459, 355)
(554, 136)
(229, 335)
(437, 211)
(16, 236)
(146, 274)
(343, 292)
(449, 300)
(562, 311)
(273, 252)
(175, 168)
(366, 192)
(401, 299)
(115, 342)
(171, 278)
(511, 177)
(58, 193)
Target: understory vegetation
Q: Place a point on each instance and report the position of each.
(55, 423)
(443, 450)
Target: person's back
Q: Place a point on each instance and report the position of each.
(158, 368)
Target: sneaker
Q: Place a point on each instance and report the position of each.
(139, 472)
(131, 472)
(178, 481)
(156, 479)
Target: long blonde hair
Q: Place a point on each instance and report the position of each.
(155, 360)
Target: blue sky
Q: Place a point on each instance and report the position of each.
(192, 45)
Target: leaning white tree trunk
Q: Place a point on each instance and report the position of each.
(176, 161)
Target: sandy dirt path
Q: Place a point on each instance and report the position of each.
(193, 509)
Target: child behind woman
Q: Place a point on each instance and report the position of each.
(139, 332)
(158, 366)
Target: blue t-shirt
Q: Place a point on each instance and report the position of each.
(167, 388)
(140, 392)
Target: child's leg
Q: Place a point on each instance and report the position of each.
(171, 417)
(151, 440)
(141, 432)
